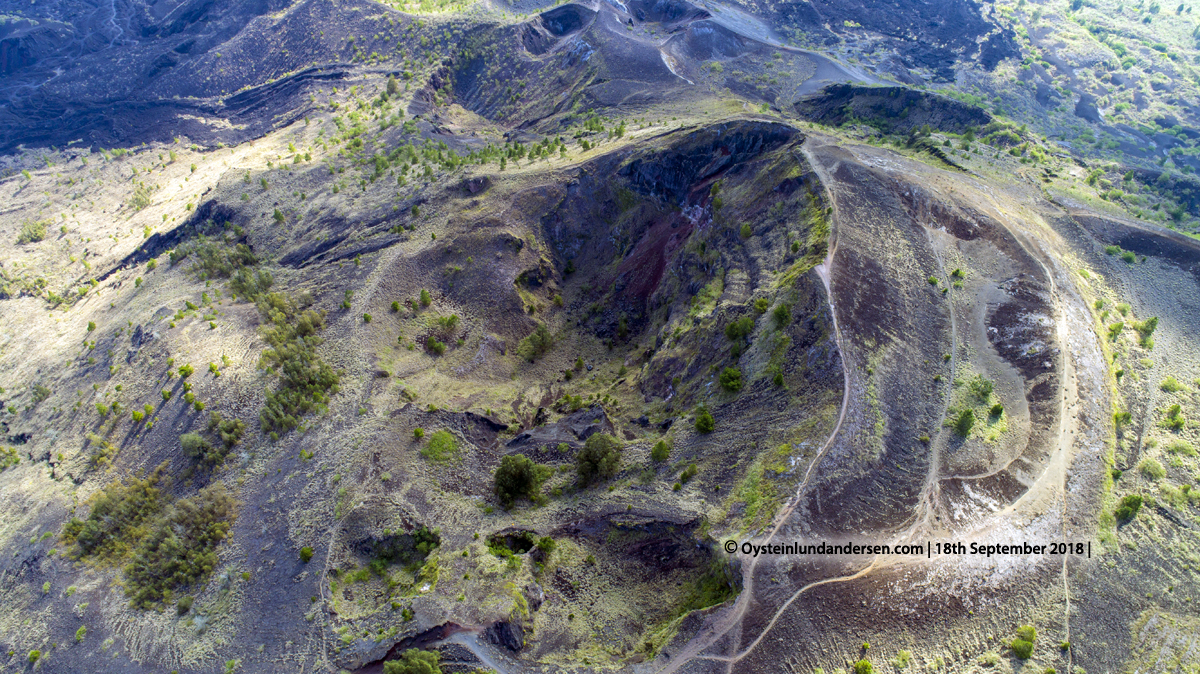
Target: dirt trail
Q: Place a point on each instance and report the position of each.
(731, 618)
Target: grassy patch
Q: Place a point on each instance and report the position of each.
(442, 447)
(706, 300)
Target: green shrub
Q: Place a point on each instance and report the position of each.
(782, 315)
(120, 516)
(229, 430)
(181, 546)
(184, 605)
(306, 382)
(660, 452)
(442, 446)
(32, 232)
(761, 305)
(34, 656)
(426, 299)
(535, 344)
(81, 633)
(413, 661)
(863, 667)
(740, 328)
(704, 420)
(600, 459)
(306, 554)
(1174, 420)
(432, 345)
(418, 433)
(198, 448)
(1027, 632)
(447, 323)
(997, 410)
(1128, 507)
(731, 379)
(186, 371)
(518, 476)
(964, 422)
(688, 473)
(103, 451)
(981, 387)
(8, 458)
(1145, 329)
(1022, 649)
(746, 232)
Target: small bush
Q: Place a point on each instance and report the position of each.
(32, 232)
(1171, 385)
(426, 298)
(704, 420)
(196, 447)
(186, 371)
(600, 459)
(964, 422)
(782, 315)
(432, 345)
(997, 410)
(1022, 649)
(761, 305)
(536, 344)
(863, 667)
(660, 452)
(740, 328)
(34, 656)
(1027, 632)
(229, 430)
(688, 473)
(981, 387)
(1174, 420)
(306, 554)
(184, 605)
(517, 477)
(8, 458)
(731, 379)
(418, 433)
(414, 661)
(442, 446)
(1128, 507)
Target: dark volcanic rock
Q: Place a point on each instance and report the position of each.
(506, 634)
(702, 155)
(890, 109)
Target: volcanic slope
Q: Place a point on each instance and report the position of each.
(258, 380)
